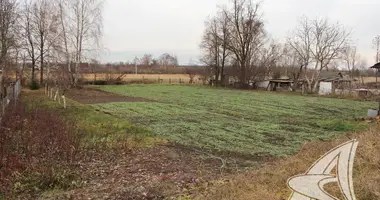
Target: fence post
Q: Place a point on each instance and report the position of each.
(56, 95)
(51, 93)
(59, 101)
(14, 92)
(3, 106)
(64, 101)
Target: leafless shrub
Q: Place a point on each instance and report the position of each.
(314, 45)
(38, 150)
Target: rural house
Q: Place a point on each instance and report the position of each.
(335, 82)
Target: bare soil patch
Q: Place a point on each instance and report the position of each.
(161, 172)
(95, 96)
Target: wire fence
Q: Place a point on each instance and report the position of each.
(9, 94)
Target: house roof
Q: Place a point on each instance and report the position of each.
(376, 66)
(330, 75)
(335, 76)
(339, 79)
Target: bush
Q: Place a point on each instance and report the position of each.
(34, 86)
(98, 82)
(142, 81)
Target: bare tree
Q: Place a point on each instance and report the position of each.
(41, 32)
(81, 25)
(65, 33)
(351, 59)
(246, 35)
(45, 21)
(318, 42)
(265, 61)
(214, 44)
(94, 65)
(166, 60)
(210, 45)
(154, 62)
(31, 41)
(362, 67)
(299, 49)
(334, 66)
(329, 42)
(8, 25)
(224, 36)
(147, 59)
(236, 38)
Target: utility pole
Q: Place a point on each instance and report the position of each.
(136, 59)
(376, 43)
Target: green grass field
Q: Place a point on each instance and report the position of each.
(244, 122)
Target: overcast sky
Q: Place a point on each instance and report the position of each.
(135, 27)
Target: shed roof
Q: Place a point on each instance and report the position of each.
(280, 81)
(330, 75)
(376, 66)
(335, 76)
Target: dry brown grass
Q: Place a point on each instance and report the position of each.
(370, 79)
(270, 182)
(166, 78)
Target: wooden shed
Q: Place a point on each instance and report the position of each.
(280, 84)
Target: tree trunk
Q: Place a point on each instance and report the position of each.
(243, 77)
(2, 79)
(47, 75)
(42, 72)
(56, 95)
(295, 81)
(315, 86)
(217, 77)
(33, 70)
(42, 61)
(222, 77)
(51, 93)
(310, 87)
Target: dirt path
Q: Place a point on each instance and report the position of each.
(95, 96)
